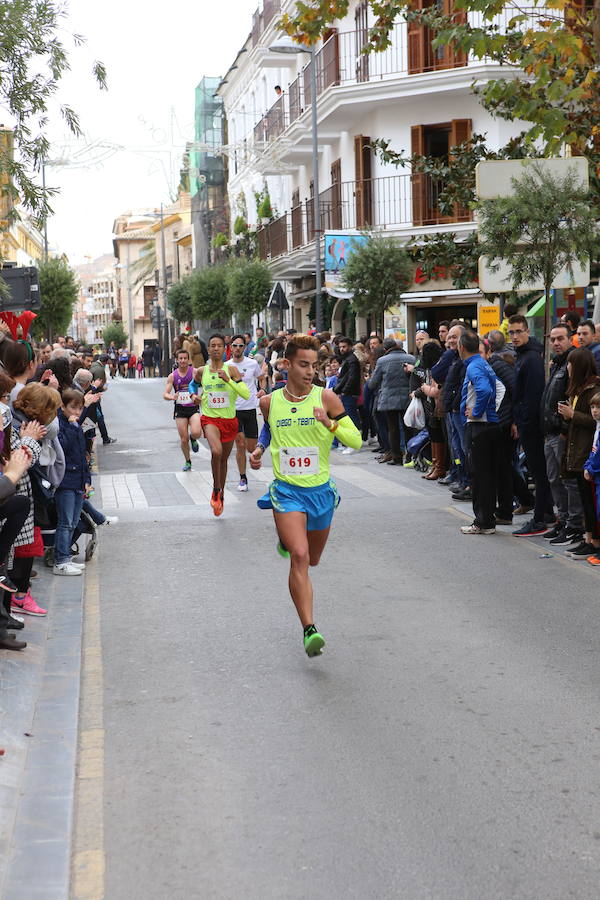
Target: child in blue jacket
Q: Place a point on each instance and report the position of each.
(591, 468)
(70, 493)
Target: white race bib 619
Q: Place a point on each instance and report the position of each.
(218, 399)
(299, 461)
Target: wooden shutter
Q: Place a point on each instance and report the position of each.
(363, 185)
(416, 42)
(418, 180)
(453, 56)
(330, 59)
(460, 131)
(361, 35)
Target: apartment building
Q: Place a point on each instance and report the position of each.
(134, 238)
(418, 98)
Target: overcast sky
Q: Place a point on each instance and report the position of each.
(155, 56)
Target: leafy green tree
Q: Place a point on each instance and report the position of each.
(210, 295)
(33, 61)
(115, 332)
(58, 295)
(545, 226)
(377, 273)
(179, 300)
(249, 285)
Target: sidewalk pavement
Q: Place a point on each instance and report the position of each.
(39, 709)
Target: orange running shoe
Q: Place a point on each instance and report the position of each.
(594, 560)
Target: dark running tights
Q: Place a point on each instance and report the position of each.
(14, 512)
(21, 573)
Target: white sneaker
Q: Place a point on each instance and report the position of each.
(67, 569)
(110, 520)
(347, 450)
(243, 485)
(77, 565)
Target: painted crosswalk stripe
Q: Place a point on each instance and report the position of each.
(122, 491)
(199, 486)
(370, 483)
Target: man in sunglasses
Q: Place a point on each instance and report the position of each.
(253, 377)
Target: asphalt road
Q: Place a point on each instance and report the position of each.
(446, 746)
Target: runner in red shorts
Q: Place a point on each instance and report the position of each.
(221, 385)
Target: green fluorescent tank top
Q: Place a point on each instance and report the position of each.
(218, 396)
(300, 445)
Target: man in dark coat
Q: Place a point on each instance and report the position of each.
(529, 388)
(390, 379)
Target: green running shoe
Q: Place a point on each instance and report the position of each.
(195, 445)
(187, 467)
(313, 641)
(282, 551)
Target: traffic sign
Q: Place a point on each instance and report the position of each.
(493, 178)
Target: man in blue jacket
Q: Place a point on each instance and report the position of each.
(478, 404)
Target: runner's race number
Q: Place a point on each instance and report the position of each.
(184, 398)
(299, 461)
(218, 400)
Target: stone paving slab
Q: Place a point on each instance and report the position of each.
(39, 697)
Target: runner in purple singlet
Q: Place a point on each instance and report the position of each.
(186, 413)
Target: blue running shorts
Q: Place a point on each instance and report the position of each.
(319, 503)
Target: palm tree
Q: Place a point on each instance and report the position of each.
(144, 268)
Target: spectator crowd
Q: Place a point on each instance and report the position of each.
(480, 415)
(51, 408)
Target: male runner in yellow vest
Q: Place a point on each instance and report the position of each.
(301, 421)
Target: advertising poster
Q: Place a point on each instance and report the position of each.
(394, 323)
(339, 246)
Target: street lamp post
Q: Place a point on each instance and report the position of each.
(163, 279)
(289, 48)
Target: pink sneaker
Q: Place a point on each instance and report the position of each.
(27, 605)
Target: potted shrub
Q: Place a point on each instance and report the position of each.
(265, 210)
(240, 226)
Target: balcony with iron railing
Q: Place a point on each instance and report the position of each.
(261, 19)
(340, 61)
(390, 203)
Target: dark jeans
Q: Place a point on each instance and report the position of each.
(95, 515)
(101, 423)
(68, 509)
(382, 431)
(533, 445)
(460, 447)
(351, 407)
(483, 440)
(586, 492)
(368, 426)
(396, 432)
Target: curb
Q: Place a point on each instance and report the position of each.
(40, 698)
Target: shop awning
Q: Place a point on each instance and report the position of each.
(538, 308)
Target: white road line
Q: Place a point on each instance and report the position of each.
(372, 484)
(230, 497)
(138, 498)
(195, 486)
